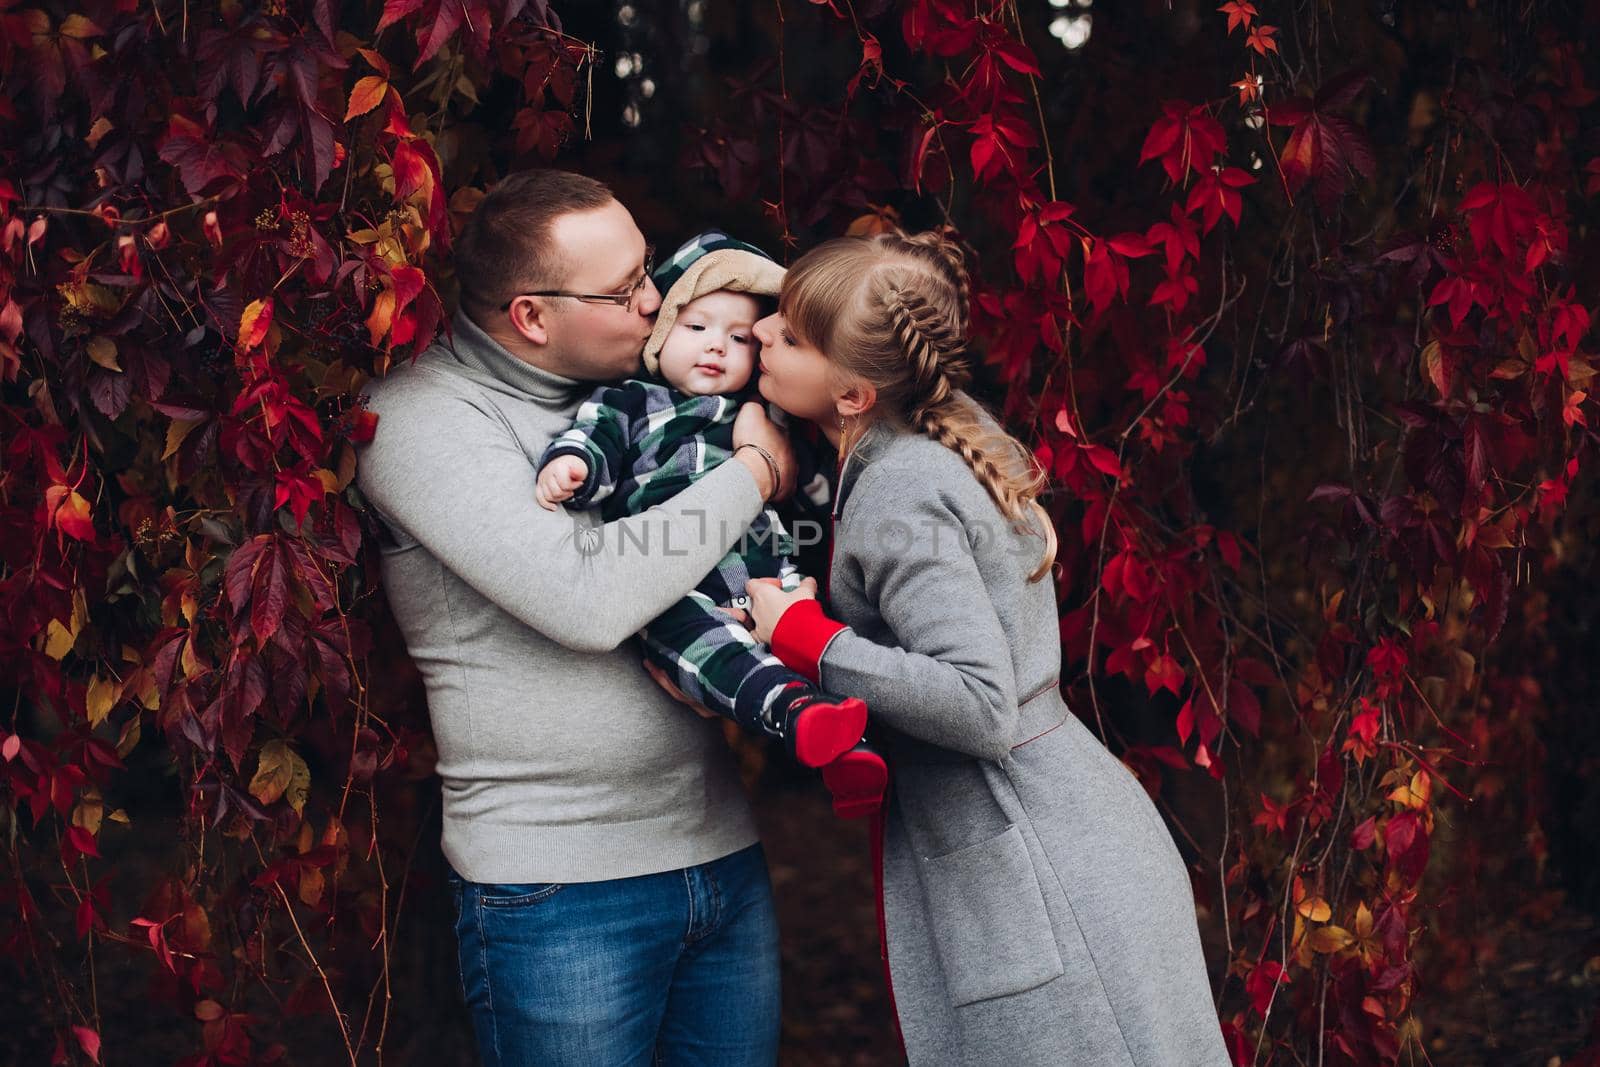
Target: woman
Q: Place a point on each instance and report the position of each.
(1036, 909)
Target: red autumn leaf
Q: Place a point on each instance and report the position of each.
(1260, 39)
(1103, 460)
(89, 1041)
(201, 157)
(269, 589)
(395, 10)
(1387, 658)
(1175, 291)
(1501, 215)
(411, 170)
(1018, 56)
(1572, 410)
(1043, 242)
(1264, 984)
(996, 143)
(254, 323)
(79, 842)
(870, 69)
(1324, 147)
(1179, 238)
(1164, 673)
(1458, 294)
(299, 491)
(1215, 194)
(1185, 139)
(1239, 13)
(434, 32)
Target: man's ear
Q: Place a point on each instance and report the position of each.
(857, 399)
(530, 319)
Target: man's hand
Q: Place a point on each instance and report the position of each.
(559, 479)
(752, 427)
(768, 602)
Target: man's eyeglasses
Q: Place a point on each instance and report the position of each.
(621, 300)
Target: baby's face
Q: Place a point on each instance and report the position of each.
(710, 349)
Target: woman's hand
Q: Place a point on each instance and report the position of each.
(768, 602)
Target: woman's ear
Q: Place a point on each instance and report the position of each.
(529, 319)
(857, 399)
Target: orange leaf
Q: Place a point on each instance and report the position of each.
(1315, 908)
(367, 94)
(382, 316)
(69, 512)
(1329, 939)
(379, 64)
(254, 322)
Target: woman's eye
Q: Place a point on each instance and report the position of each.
(788, 338)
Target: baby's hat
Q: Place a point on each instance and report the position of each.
(705, 263)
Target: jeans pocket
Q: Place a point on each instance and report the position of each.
(516, 895)
(990, 925)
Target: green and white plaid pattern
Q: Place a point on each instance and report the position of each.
(714, 660)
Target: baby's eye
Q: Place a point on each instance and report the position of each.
(742, 338)
(695, 326)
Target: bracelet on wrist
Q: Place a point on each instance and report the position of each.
(772, 467)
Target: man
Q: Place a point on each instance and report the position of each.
(613, 904)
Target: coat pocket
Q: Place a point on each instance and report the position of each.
(989, 920)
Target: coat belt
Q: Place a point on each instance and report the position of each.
(1037, 715)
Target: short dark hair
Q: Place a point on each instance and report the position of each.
(505, 249)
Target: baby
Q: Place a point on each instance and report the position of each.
(638, 444)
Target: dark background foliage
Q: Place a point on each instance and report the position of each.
(1290, 298)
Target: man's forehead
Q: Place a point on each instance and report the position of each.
(601, 246)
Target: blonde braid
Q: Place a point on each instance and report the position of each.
(954, 262)
(893, 311)
(934, 340)
(931, 344)
(1013, 482)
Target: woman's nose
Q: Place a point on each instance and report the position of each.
(763, 330)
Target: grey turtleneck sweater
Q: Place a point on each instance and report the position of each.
(562, 761)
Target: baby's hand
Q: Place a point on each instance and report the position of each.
(559, 479)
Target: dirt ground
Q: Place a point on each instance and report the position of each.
(1533, 1003)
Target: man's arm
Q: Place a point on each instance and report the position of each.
(451, 475)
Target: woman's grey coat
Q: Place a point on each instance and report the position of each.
(1037, 909)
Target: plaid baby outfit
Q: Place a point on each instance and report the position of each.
(644, 442)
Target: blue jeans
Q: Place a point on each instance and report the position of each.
(676, 968)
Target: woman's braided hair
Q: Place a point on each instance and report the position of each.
(893, 310)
